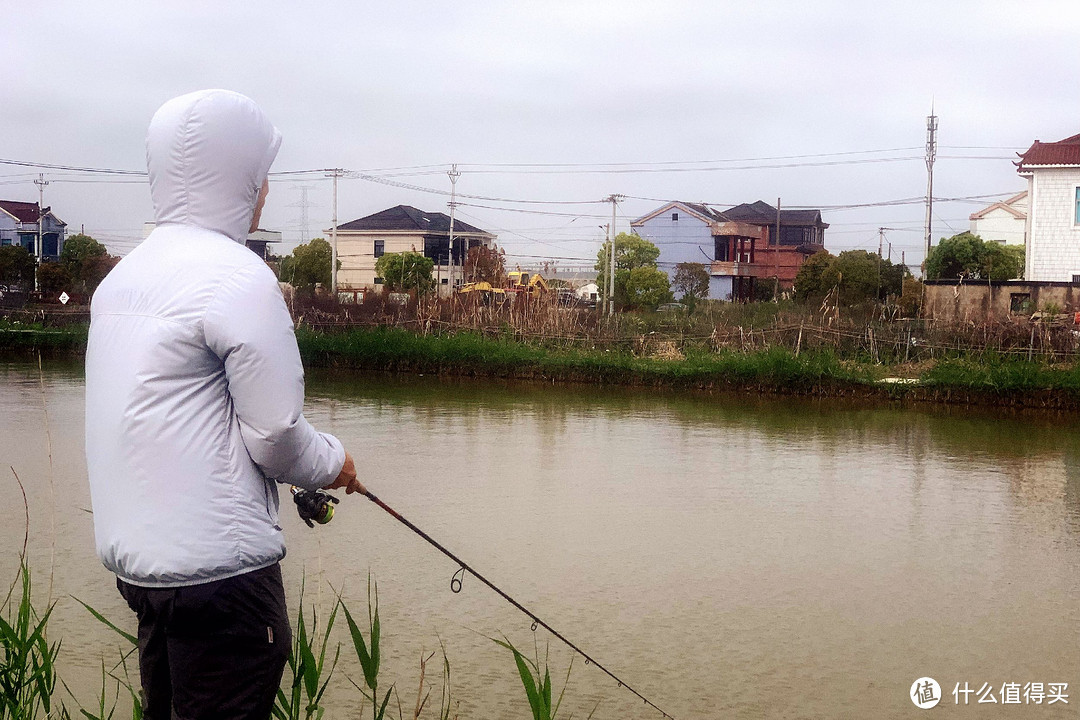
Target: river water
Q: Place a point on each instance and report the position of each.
(727, 557)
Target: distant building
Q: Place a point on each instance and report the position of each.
(1053, 223)
(403, 229)
(256, 242)
(19, 226)
(1003, 222)
(738, 246)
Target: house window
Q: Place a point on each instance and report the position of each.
(1076, 280)
(1020, 302)
(1077, 208)
(378, 281)
(675, 215)
(380, 248)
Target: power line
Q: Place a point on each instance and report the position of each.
(690, 162)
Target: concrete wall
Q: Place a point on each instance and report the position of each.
(977, 301)
(720, 287)
(1053, 252)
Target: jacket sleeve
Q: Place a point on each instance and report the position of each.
(248, 326)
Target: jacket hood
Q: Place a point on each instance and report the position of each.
(208, 153)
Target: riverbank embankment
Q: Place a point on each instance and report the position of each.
(978, 379)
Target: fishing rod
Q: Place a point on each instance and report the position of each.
(317, 505)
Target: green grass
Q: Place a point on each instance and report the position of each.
(968, 377)
(991, 372)
(15, 335)
(397, 350)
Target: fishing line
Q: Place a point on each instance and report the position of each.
(455, 586)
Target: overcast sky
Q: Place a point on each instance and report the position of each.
(554, 101)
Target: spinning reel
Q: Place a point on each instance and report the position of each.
(317, 505)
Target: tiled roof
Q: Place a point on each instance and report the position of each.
(702, 211)
(405, 217)
(762, 213)
(22, 211)
(1062, 152)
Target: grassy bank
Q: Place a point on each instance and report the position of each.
(971, 378)
(396, 350)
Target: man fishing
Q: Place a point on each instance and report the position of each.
(194, 395)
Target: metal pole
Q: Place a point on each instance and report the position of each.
(41, 183)
(333, 238)
(454, 175)
(880, 247)
(776, 256)
(931, 155)
(611, 268)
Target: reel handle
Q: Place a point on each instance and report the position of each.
(314, 505)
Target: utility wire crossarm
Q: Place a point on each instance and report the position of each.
(455, 585)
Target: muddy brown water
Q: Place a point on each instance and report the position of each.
(727, 557)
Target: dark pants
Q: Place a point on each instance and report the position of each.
(215, 650)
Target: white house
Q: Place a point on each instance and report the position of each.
(1053, 224)
(403, 229)
(19, 226)
(1003, 222)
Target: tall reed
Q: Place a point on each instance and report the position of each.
(28, 662)
(308, 677)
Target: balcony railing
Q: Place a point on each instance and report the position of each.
(738, 269)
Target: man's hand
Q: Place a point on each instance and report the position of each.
(347, 478)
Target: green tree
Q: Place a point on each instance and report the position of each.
(856, 272)
(1002, 262)
(78, 250)
(809, 285)
(17, 267)
(631, 252)
(86, 262)
(692, 280)
(892, 278)
(969, 256)
(406, 271)
(308, 265)
(54, 278)
(643, 288)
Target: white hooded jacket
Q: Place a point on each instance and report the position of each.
(194, 386)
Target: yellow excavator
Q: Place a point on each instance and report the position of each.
(523, 283)
(518, 282)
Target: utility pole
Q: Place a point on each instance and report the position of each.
(41, 182)
(335, 173)
(776, 256)
(880, 247)
(611, 262)
(931, 155)
(613, 199)
(454, 175)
